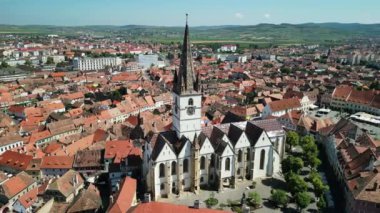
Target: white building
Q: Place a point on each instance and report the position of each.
(95, 63)
(228, 48)
(348, 98)
(10, 143)
(189, 157)
(146, 61)
(281, 107)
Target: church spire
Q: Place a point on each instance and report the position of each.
(185, 81)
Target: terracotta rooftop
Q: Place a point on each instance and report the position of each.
(158, 207)
(125, 197)
(16, 184)
(57, 162)
(284, 104)
(15, 160)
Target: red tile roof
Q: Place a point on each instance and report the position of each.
(125, 196)
(284, 104)
(120, 150)
(158, 207)
(29, 198)
(16, 184)
(15, 160)
(57, 162)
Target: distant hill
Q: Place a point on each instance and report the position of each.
(261, 33)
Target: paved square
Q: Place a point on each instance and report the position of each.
(263, 188)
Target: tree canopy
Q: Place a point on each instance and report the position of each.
(292, 164)
(296, 183)
(303, 200)
(292, 139)
(280, 198)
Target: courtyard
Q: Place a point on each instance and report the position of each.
(263, 188)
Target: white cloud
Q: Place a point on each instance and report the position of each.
(267, 15)
(239, 15)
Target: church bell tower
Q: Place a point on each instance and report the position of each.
(187, 98)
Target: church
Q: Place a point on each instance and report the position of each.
(191, 157)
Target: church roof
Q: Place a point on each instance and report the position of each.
(170, 138)
(185, 81)
(234, 133)
(253, 132)
(215, 134)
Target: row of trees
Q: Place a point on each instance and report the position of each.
(296, 184)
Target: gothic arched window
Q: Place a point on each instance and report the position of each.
(185, 166)
(262, 158)
(240, 156)
(191, 102)
(162, 170)
(203, 162)
(174, 168)
(228, 164)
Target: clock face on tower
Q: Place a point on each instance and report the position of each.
(190, 110)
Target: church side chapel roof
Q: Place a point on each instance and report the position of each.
(170, 138)
(253, 132)
(234, 133)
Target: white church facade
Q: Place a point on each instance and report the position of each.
(190, 157)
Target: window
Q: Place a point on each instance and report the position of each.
(185, 165)
(262, 159)
(240, 153)
(228, 164)
(191, 102)
(174, 168)
(176, 105)
(203, 159)
(162, 170)
(202, 179)
(162, 186)
(212, 160)
(248, 155)
(238, 171)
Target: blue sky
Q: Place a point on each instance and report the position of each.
(171, 12)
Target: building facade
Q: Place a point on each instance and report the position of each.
(190, 157)
(84, 64)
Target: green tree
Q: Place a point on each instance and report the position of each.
(375, 85)
(254, 199)
(4, 64)
(285, 70)
(115, 95)
(321, 204)
(122, 90)
(296, 183)
(49, 60)
(28, 63)
(292, 139)
(319, 188)
(292, 164)
(310, 150)
(313, 161)
(302, 200)
(280, 198)
(211, 201)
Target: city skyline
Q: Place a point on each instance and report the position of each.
(167, 13)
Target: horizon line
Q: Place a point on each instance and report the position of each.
(220, 25)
